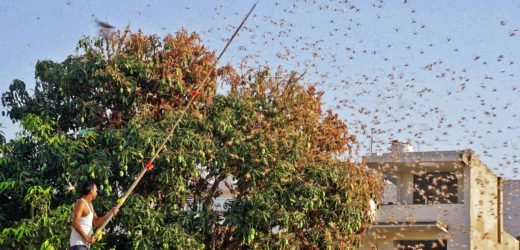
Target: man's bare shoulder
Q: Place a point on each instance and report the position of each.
(79, 205)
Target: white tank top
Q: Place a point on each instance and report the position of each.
(86, 224)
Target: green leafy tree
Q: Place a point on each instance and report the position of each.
(101, 114)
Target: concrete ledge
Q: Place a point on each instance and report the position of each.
(434, 226)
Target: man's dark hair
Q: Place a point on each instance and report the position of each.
(86, 187)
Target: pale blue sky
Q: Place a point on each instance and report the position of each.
(443, 74)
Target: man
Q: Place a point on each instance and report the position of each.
(85, 218)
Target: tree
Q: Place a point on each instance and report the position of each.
(101, 113)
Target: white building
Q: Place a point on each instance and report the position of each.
(441, 200)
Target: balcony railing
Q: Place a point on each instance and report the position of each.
(419, 212)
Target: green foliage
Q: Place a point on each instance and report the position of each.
(44, 227)
(103, 113)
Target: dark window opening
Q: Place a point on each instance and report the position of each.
(422, 245)
(435, 188)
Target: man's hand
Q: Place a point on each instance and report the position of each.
(91, 239)
(114, 211)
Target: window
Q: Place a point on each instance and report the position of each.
(422, 245)
(435, 188)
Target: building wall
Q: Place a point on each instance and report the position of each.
(487, 211)
(389, 193)
(386, 240)
(463, 185)
(483, 207)
(405, 188)
(509, 242)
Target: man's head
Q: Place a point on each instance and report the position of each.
(89, 188)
